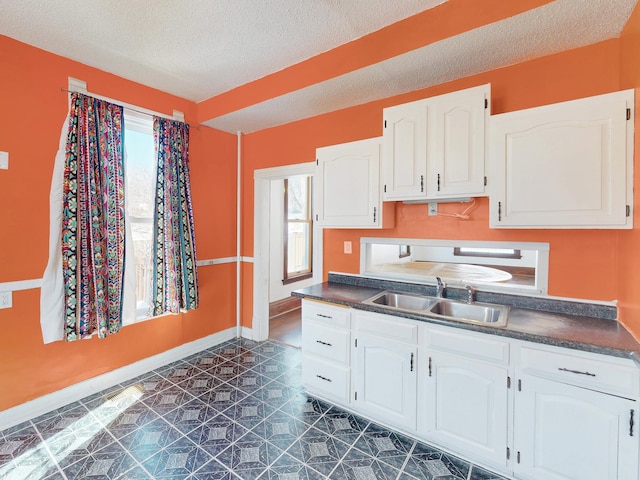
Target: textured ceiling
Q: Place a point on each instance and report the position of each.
(198, 49)
(558, 26)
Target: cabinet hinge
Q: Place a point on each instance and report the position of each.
(508, 382)
(485, 181)
(628, 210)
(628, 114)
(486, 103)
(519, 385)
(508, 453)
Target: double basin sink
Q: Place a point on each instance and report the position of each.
(475, 313)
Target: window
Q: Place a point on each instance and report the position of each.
(298, 231)
(140, 178)
(487, 252)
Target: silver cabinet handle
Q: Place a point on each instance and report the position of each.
(577, 372)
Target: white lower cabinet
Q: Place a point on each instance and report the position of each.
(466, 405)
(385, 368)
(563, 432)
(385, 380)
(326, 369)
(527, 410)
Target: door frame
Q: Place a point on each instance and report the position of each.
(261, 261)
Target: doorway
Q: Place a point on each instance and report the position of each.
(268, 238)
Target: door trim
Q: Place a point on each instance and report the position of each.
(261, 212)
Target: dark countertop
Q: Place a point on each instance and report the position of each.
(579, 332)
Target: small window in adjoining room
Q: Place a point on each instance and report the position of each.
(140, 181)
(487, 252)
(298, 229)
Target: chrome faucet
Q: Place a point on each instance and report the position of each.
(440, 291)
(471, 294)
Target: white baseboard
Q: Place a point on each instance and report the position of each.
(247, 333)
(46, 403)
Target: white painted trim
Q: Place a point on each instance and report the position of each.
(20, 285)
(219, 261)
(275, 173)
(247, 333)
(216, 261)
(238, 232)
(261, 212)
(46, 403)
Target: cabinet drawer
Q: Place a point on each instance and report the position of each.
(468, 344)
(595, 372)
(325, 377)
(325, 341)
(327, 313)
(390, 327)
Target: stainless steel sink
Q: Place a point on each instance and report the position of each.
(402, 301)
(494, 315)
(477, 313)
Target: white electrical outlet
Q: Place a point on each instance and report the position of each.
(4, 160)
(433, 209)
(347, 247)
(5, 299)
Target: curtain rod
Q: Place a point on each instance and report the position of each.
(128, 106)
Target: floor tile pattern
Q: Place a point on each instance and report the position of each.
(233, 412)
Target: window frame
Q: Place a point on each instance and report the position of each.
(142, 123)
(289, 278)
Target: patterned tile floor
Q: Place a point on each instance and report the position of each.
(236, 411)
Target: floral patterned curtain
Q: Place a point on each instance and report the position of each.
(93, 219)
(175, 284)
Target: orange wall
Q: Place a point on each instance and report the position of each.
(629, 254)
(583, 263)
(33, 110)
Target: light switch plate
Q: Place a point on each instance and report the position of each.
(5, 300)
(4, 160)
(347, 247)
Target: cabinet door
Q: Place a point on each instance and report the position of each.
(568, 165)
(385, 380)
(348, 188)
(456, 150)
(467, 406)
(564, 432)
(405, 151)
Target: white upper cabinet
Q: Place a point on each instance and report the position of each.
(435, 148)
(566, 165)
(347, 192)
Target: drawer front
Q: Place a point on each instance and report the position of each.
(468, 344)
(325, 341)
(581, 370)
(390, 327)
(326, 378)
(328, 313)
